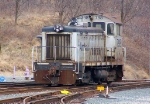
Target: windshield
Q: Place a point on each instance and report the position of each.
(99, 24)
(110, 29)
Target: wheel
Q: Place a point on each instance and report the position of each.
(99, 82)
(109, 82)
(49, 85)
(60, 85)
(79, 83)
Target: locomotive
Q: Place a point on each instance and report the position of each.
(88, 50)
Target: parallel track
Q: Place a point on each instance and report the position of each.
(54, 95)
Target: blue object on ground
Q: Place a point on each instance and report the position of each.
(2, 79)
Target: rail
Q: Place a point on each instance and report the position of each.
(76, 96)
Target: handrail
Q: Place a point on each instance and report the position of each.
(32, 57)
(86, 54)
(95, 51)
(124, 50)
(78, 59)
(54, 53)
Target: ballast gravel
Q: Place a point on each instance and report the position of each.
(134, 96)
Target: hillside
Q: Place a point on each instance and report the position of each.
(22, 20)
(17, 41)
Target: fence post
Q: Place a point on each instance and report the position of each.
(14, 74)
(107, 92)
(26, 73)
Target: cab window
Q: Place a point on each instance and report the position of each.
(89, 24)
(110, 29)
(99, 24)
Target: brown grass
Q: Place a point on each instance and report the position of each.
(17, 41)
(134, 73)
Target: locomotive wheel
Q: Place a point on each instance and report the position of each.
(60, 85)
(79, 82)
(99, 82)
(49, 85)
(109, 82)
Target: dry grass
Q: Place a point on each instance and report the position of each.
(17, 41)
(134, 73)
(137, 59)
(35, 20)
(11, 74)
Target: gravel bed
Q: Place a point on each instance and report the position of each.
(134, 96)
(3, 97)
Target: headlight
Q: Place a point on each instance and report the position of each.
(58, 28)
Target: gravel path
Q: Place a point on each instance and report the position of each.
(135, 96)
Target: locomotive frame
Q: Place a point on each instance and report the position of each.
(88, 50)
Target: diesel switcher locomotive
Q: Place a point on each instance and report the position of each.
(87, 50)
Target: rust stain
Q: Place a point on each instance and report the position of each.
(67, 77)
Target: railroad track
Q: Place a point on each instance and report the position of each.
(16, 84)
(54, 95)
(50, 95)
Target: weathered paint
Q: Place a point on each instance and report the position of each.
(66, 77)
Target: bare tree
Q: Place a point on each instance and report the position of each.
(20, 7)
(130, 9)
(17, 7)
(60, 7)
(101, 6)
(74, 8)
(6, 7)
(91, 6)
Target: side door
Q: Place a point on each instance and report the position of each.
(110, 38)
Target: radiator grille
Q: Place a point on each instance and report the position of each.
(62, 43)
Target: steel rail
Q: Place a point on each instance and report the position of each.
(83, 95)
(6, 91)
(54, 98)
(76, 93)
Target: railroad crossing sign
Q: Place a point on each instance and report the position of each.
(100, 88)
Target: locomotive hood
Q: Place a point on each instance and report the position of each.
(71, 29)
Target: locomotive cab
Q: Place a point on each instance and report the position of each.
(88, 50)
(114, 55)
